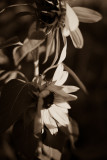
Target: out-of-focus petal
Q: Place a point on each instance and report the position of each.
(70, 89)
(59, 116)
(65, 32)
(62, 79)
(87, 15)
(58, 73)
(63, 54)
(62, 104)
(49, 122)
(77, 38)
(72, 18)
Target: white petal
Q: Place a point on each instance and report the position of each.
(77, 38)
(59, 116)
(72, 18)
(70, 89)
(49, 122)
(65, 32)
(61, 109)
(62, 104)
(87, 15)
(58, 73)
(65, 98)
(62, 79)
(63, 54)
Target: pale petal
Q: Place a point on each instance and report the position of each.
(59, 116)
(70, 89)
(65, 98)
(60, 109)
(49, 122)
(87, 15)
(62, 79)
(77, 38)
(62, 104)
(58, 73)
(72, 18)
(65, 32)
(63, 54)
(58, 91)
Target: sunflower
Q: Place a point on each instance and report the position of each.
(55, 96)
(53, 18)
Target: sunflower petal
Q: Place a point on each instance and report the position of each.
(65, 97)
(65, 31)
(72, 18)
(63, 54)
(63, 79)
(70, 89)
(49, 122)
(58, 73)
(87, 15)
(62, 104)
(59, 116)
(77, 38)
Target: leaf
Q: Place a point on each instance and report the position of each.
(15, 99)
(18, 7)
(9, 42)
(53, 144)
(35, 33)
(87, 15)
(57, 47)
(50, 38)
(24, 140)
(21, 52)
(38, 35)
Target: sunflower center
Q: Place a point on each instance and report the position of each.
(48, 100)
(50, 11)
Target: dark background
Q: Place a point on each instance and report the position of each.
(89, 63)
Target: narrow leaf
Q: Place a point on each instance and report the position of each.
(57, 47)
(11, 41)
(14, 6)
(22, 51)
(49, 45)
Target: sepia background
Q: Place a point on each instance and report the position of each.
(89, 63)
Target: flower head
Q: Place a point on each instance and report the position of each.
(55, 95)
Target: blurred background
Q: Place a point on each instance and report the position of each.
(89, 63)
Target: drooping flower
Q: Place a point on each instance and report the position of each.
(55, 95)
(51, 19)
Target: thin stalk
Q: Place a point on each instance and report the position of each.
(71, 72)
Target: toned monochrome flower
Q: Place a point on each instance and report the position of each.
(55, 95)
(51, 20)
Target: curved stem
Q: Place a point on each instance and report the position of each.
(71, 72)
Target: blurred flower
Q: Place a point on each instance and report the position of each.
(52, 18)
(55, 95)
